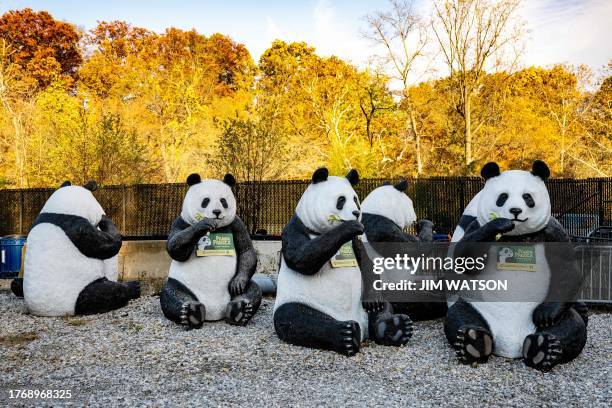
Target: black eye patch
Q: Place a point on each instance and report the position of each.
(501, 199)
(357, 202)
(224, 202)
(341, 202)
(205, 202)
(529, 200)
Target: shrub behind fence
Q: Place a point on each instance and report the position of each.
(147, 210)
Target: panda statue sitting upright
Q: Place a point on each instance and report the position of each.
(213, 259)
(386, 212)
(546, 328)
(320, 290)
(68, 248)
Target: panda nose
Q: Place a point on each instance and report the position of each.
(515, 212)
(217, 213)
(356, 214)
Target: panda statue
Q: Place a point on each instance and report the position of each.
(68, 247)
(213, 259)
(386, 212)
(548, 329)
(321, 302)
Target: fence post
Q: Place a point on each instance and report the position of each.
(462, 196)
(123, 200)
(21, 212)
(600, 202)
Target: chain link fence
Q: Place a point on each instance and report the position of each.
(147, 210)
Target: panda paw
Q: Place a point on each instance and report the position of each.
(393, 331)
(473, 345)
(350, 338)
(192, 315)
(239, 312)
(133, 289)
(542, 351)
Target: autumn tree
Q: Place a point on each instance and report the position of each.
(475, 36)
(44, 48)
(402, 35)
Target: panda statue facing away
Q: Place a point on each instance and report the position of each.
(69, 250)
(386, 212)
(320, 289)
(213, 259)
(514, 206)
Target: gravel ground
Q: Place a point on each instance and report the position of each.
(134, 356)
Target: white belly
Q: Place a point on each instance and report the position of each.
(333, 291)
(509, 313)
(55, 272)
(208, 278)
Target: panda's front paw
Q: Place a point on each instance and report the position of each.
(238, 284)
(192, 314)
(548, 314)
(473, 345)
(133, 288)
(542, 351)
(393, 331)
(349, 338)
(239, 312)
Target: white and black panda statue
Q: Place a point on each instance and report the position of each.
(546, 326)
(386, 212)
(213, 259)
(65, 264)
(320, 289)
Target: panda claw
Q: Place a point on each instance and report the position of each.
(473, 345)
(393, 331)
(542, 351)
(350, 337)
(192, 315)
(239, 312)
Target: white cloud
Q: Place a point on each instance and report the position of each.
(568, 31)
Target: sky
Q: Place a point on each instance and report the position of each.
(560, 31)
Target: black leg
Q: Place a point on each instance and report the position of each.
(388, 328)
(17, 287)
(102, 296)
(181, 306)
(556, 345)
(419, 311)
(243, 307)
(468, 333)
(302, 325)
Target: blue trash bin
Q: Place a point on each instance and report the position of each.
(10, 255)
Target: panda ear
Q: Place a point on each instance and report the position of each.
(65, 184)
(540, 169)
(353, 177)
(490, 170)
(229, 180)
(320, 175)
(91, 185)
(193, 178)
(402, 186)
(386, 183)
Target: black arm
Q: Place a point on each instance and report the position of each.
(381, 232)
(307, 256)
(92, 242)
(183, 237)
(246, 257)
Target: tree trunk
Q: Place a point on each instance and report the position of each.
(417, 139)
(468, 130)
(414, 130)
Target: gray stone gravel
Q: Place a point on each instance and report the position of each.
(134, 356)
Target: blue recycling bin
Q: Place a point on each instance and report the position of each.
(10, 255)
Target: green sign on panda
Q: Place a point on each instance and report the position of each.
(216, 244)
(345, 257)
(516, 258)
